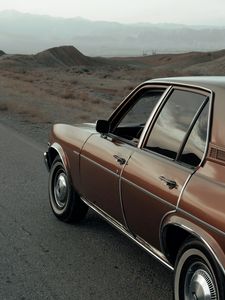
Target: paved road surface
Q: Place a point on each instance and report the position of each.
(42, 258)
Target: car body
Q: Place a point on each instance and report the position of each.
(156, 171)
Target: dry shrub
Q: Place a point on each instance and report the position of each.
(68, 94)
(16, 76)
(31, 80)
(3, 107)
(84, 96)
(74, 81)
(96, 101)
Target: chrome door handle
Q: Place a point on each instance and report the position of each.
(170, 183)
(119, 159)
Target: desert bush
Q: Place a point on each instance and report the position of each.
(85, 70)
(3, 107)
(68, 94)
(31, 80)
(96, 101)
(74, 81)
(84, 96)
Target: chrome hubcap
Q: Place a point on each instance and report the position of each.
(199, 285)
(60, 190)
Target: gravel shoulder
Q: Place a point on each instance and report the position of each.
(37, 131)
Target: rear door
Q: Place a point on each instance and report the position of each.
(159, 168)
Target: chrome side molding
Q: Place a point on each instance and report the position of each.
(140, 242)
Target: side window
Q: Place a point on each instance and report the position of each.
(173, 123)
(196, 143)
(133, 121)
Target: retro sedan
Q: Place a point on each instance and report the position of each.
(156, 171)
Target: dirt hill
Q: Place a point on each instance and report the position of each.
(211, 67)
(62, 56)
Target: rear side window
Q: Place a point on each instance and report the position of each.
(196, 143)
(180, 130)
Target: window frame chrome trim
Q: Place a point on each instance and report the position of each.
(209, 127)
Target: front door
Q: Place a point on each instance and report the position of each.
(101, 164)
(104, 157)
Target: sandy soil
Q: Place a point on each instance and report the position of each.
(34, 96)
(32, 100)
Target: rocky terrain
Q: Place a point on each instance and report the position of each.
(63, 85)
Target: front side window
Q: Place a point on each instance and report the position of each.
(133, 121)
(174, 122)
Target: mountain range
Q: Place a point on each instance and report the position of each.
(29, 34)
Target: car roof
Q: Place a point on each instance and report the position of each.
(208, 82)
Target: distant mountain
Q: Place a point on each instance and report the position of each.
(2, 52)
(27, 33)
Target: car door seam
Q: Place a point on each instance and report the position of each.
(120, 194)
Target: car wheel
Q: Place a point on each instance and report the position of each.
(197, 275)
(64, 200)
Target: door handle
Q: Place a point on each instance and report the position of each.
(119, 159)
(170, 183)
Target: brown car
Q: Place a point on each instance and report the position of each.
(156, 171)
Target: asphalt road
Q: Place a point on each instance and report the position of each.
(43, 258)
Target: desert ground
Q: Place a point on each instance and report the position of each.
(61, 85)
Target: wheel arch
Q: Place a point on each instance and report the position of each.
(183, 229)
(54, 150)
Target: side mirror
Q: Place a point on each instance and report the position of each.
(102, 126)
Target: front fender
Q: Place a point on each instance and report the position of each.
(54, 150)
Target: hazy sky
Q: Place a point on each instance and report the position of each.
(197, 12)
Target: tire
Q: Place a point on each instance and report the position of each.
(64, 200)
(197, 274)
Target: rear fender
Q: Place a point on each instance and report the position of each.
(196, 231)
